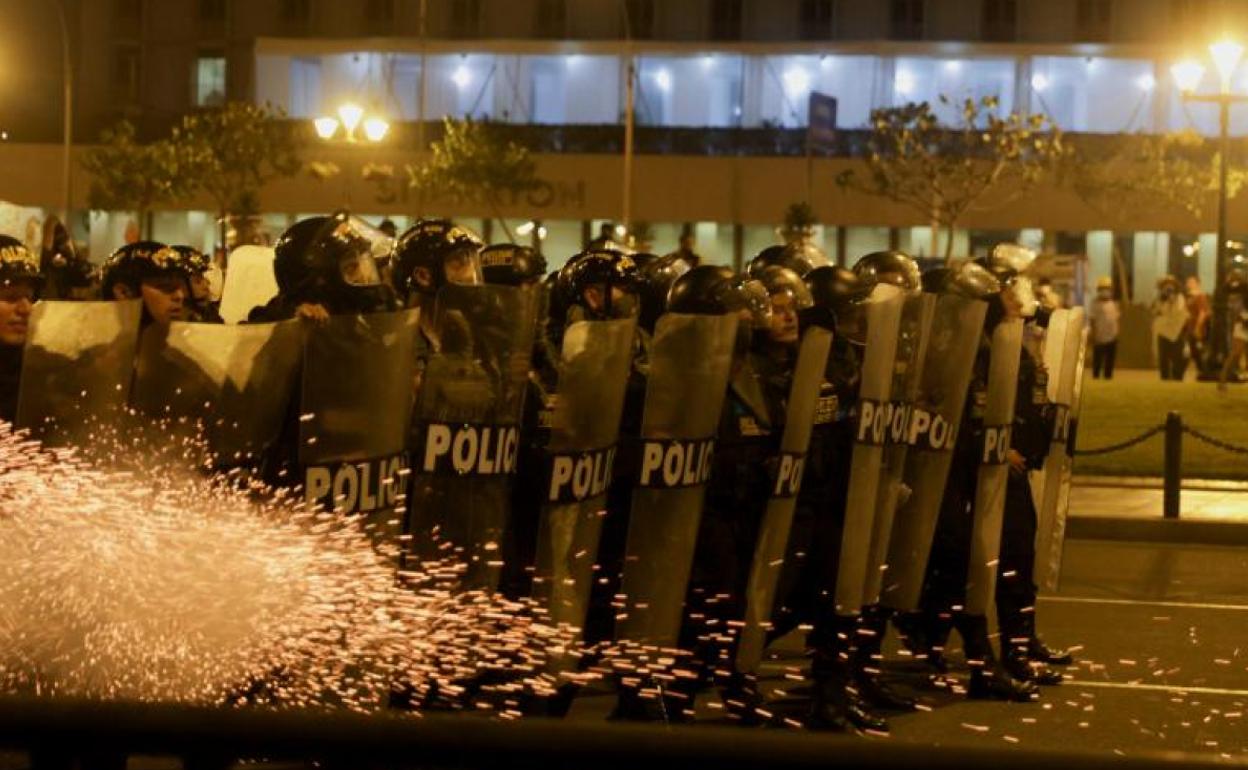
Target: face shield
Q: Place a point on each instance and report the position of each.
(359, 248)
(756, 303)
(462, 266)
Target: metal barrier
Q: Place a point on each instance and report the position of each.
(1172, 474)
(63, 733)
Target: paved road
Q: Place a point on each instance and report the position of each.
(1163, 661)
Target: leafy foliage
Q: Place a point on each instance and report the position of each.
(475, 162)
(234, 150)
(799, 216)
(128, 175)
(984, 161)
(1151, 173)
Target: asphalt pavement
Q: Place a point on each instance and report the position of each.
(1161, 638)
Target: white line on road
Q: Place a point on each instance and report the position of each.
(1184, 605)
(1157, 687)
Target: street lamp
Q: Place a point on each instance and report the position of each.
(350, 117)
(1226, 55)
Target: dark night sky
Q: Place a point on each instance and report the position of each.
(30, 70)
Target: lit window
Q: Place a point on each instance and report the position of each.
(209, 81)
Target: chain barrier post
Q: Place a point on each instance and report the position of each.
(1174, 465)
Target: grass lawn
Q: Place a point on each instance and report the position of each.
(1135, 400)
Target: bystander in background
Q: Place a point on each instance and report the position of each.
(1169, 323)
(1104, 316)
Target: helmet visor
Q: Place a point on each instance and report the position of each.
(463, 267)
(757, 303)
(359, 247)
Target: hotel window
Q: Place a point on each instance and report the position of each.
(210, 79)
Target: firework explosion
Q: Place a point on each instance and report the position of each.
(162, 584)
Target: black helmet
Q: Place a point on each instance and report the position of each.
(431, 244)
(715, 290)
(657, 276)
(894, 267)
(838, 293)
(1007, 261)
(779, 256)
(507, 264)
(333, 261)
(968, 280)
(604, 268)
(17, 263)
(197, 262)
(782, 280)
(131, 264)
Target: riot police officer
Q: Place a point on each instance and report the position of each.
(945, 588)
(429, 255)
(327, 265)
(808, 587)
(152, 272)
(20, 284)
(1026, 658)
(202, 306)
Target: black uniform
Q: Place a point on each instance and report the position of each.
(736, 498)
(1016, 587)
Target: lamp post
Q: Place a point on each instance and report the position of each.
(351, 117)
(1188, 75)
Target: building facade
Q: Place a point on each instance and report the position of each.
(720, 97)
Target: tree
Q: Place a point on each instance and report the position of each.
(985, 161)
(474, 162)
(1149, 174)
(234, 150)
(131, 176)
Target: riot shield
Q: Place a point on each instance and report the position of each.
(870, 431)
(1058, 466)
(947, 367)
(466, 432)
(773, 533)
(912, 341)
(592, 374)
(994, 469)
(690, 359)
(249, 282)
(236, 381)
(76, 367)
(355, 403)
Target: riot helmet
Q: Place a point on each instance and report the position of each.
(598, 284)
(332, 261)
(968, 279)
(150, 271)
(839, 297)
(893, 267)
(506, 264)
(20, 283)
(779, 256)
(657, 276)
(789, 297)
(1007, 263)
(18, 265)
(433, 253)
(715, 290)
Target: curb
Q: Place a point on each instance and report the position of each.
(1156, 482)
(1168, 531)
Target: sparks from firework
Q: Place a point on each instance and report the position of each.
(153, 582)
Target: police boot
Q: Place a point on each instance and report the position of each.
(742, 700)
(868, 659)
(1016, 634)
(989, 680)
(835, 704)
(1038, 651)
